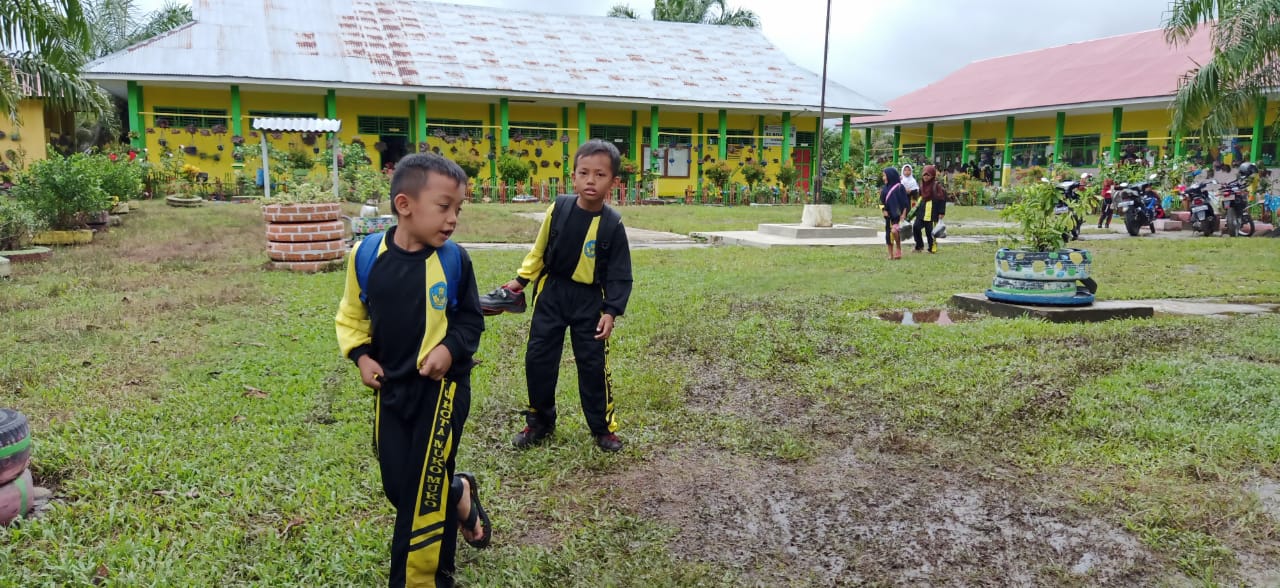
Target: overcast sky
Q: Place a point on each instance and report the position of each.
(886, 48)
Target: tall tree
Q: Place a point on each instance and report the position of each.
(1245, 38)
(116, 24)
(716, 12)
(43, 45)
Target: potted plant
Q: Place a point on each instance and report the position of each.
(753, 173)
(1041, 269)
(472, 165)
(787, 177)
(122, 180)
(304, 228)
(719, 173)
(64, 193)
(513, 170)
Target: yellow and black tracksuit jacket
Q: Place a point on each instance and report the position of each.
(580, 268)
(417, 421)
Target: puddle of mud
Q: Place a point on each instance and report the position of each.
(938, 316)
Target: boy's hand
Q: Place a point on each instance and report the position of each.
(604, 328)
(437, 363)
(370, 372)
(514, 286)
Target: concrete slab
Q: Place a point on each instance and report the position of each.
(758, 239)
(1166, 224)
(1097, 312)
(800, 231)
(1206, 307)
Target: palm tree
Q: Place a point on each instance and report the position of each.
(43, 45)
(1245, 63)
(715, 12)
(117, 24)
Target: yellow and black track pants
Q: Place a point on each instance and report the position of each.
(563, 303)
(417, 425)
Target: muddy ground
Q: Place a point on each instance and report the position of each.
(874, 509)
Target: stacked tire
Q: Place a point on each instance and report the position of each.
(305, 237)
(16, 486)
(1043, 278)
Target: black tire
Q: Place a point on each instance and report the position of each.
(1209, 226)
(15, 445)
(1233, 222)
(1246, 228)
(1131, 223)
(1090, 285)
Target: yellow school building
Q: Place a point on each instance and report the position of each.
(1080, 104)
(463, 80)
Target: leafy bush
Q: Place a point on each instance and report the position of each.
(1039, 227)
(512, 169)
(471, 164)
(719, 173)
(120, 179)
(753, 173)
(63, 191)
(17, 224)
(788, 175)
(303, 193)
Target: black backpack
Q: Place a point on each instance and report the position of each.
(609, 221)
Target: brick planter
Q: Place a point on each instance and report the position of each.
(29, 255)
(304, 237)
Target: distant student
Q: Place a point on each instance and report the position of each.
(410, 320)
(909, 181)
(930, 210)
(580, 268)
(1104, 218)
(894, 203)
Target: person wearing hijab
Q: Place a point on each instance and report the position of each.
(909, 181)
(932, 207)
(894, 203)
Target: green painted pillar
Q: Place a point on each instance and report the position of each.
(786, 138)
(866, 146)
(698, 155)
(964, 142)
(493, 161)
(1259, 119)
(583, 131)
(760, 140)
(237, 122)
(722, 135)
(420, 120)
(504, 119)
(897, 143)
(331, 104)
(1177, 146)
(928, 143)
(1057, 136)
(653, 139)
(1117, 117)
(414, 137)
(1006, 164)
(564, 150)
(845, 131)
(637, 150)
(136, 119)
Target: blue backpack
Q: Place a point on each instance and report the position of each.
(450, 258)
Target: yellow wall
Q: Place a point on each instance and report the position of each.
(29, 130)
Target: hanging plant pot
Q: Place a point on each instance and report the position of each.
(2, 134)
(379, 146)
(204, 132)
(546, 163)
(1044, 278)
(564, 138)
(163, 123)
(189, 149)
(308, 139)
(219, 129)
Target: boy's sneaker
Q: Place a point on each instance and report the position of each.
(532, 435)
(502, 300)
(609, 442)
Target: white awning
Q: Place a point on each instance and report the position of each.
(297, 125)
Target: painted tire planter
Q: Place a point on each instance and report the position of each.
(15, 445)
(368, 225)
(304, 237)
(181, 202)
(1045, 278)
(76, 237)
(121, 208)
(28, 255)
(15, 498)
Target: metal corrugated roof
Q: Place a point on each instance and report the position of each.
(298, 125)
(1133, 68)
(415, 45)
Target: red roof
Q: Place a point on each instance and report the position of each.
(1114, 69)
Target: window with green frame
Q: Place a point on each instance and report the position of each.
(1081, 150)
(734, 138)
(913, 148)
(455, 127)
(619, 135)
(200, 118)
(382, 125)
(805, 139)
(541, 131)
(280, 114)
(668, 135)
(1028, 151)
(947, 154)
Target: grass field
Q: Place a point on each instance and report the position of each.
(197, 427)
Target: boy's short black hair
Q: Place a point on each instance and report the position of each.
(596, 147)
(411, 174)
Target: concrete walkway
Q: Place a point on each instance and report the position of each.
(636, 238)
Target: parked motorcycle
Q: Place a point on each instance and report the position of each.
(1235, 202)
(1139, 204)
(1203, 218)
(1069, 195)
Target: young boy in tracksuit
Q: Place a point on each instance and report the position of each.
(580, 268)
(413, 334)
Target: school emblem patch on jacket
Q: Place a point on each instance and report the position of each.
(589, 249)
(439, 295)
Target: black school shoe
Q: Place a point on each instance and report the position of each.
(532, 435)
(502, 300)
(609, 443)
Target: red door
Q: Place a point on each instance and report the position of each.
(801, 158)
